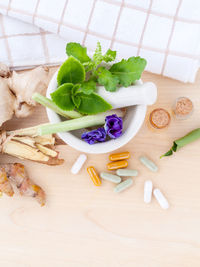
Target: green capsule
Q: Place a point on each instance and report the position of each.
(122, 186)
(149, 164)
(126, 172)
(110, 177)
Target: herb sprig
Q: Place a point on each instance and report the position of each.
(79, 75)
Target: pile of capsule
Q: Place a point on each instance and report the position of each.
(118, 162)
(148, 186)
(148, 190)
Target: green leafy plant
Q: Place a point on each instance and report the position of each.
(69, 96)
(71, 71)
(62, 96)
(79, 75)
(108, 80)
(88, 87)
(128, 71)
(78, 51)
(90, 104)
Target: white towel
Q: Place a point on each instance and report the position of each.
(165, 32)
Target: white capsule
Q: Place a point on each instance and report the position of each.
(161, 198)
(149, 164)
(78, 163)
(148, 187)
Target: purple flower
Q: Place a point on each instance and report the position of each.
(98, 135)
(113, 126)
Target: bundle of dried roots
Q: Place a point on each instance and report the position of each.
(36, 148)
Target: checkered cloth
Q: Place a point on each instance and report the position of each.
(165, 32)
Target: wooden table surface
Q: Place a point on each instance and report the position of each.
(87, 226)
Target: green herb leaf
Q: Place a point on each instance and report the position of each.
(71, 71)
(76, 100)
(168, 153)
(62, 97)
(88, 65)
(109, 56)
(78, 51)
(92, 104)
(128, 71)
(75, 89)
(108, 80)
(174, 147)
(97, 57)
(88, 87)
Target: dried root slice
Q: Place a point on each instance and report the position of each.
(47, 151)
(45, 139)
(23, 151)
(17, 174)
(25, 139)
(27, 147)
(5, 186)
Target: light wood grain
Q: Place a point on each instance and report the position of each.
(86, 226)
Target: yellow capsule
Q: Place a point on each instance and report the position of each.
(117, 165)
(119, 156)
(94, 176)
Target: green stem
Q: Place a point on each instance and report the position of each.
(50, 104)
(30, 131)
(189, 138)
(70, 125)
(183, 141)
(75, 124)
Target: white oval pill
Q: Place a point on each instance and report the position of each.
(148, 187)
(161, 198)
(78, 163)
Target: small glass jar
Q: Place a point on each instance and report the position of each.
(183, 108)
(159, 118)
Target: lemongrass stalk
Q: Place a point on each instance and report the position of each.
(30, 131)
(68, 125)
(50, 104)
